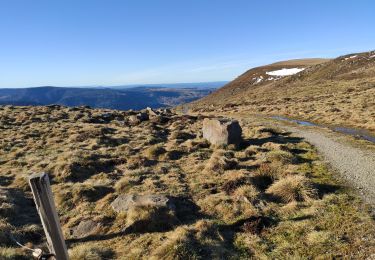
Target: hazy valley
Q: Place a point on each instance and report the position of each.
(121, 97)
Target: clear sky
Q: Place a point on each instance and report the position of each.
(114, 42)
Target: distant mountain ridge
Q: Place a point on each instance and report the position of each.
(112, 98)
(199, 85)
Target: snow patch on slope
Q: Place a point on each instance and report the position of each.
(284, 72)
(351, 57)
(258, 80)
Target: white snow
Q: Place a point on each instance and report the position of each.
(284, 72)
(258, 79)
(372, 56)
(351, 57)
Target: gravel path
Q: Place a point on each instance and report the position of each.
(356, 165)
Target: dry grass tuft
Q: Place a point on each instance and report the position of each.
(293, 188)
(126, 183)
(136, 162)
(230, 186)
(149, 219)
(265, 175)
(220, 161)
(8, 253)
(88, 192)
(246, 192)
(154, 151)
(90, 252)
(180, 245)
(282, 157)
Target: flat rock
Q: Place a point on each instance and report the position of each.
(222, 131)
(85, 228)
(125, 202)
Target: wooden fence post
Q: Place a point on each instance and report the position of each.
(40, 187)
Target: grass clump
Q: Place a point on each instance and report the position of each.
(181, 245)
(154, 151)
(136, 162)
(8, 253)
(283, 157)
(292, 188)
(150, 219)
(90, 252)
(246, 192)
(265, 175)
(88, 192)
(230, 186)
(126, 183)
(220, 161)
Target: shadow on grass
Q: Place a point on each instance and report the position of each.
(278, 139)
(6, 180)
(324, 189)
(22, 214)
(253, 225)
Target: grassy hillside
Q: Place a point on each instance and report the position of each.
(336, 92)
(272, 197)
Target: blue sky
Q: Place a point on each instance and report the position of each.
(110, 42)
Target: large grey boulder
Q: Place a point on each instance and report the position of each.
(125, 202)
(222, 131)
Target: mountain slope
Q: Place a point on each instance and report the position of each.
(338, 92)
(256, 77)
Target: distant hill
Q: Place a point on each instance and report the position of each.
(199, 85)
(112, 98)
(340, 91)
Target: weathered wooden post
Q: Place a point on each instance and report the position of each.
(41, 189)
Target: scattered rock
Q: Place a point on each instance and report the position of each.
(134, 120)
(125, 202)
(85, 228)
(222, 131)
(166, 111)
(138, 118)
(151, 112)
